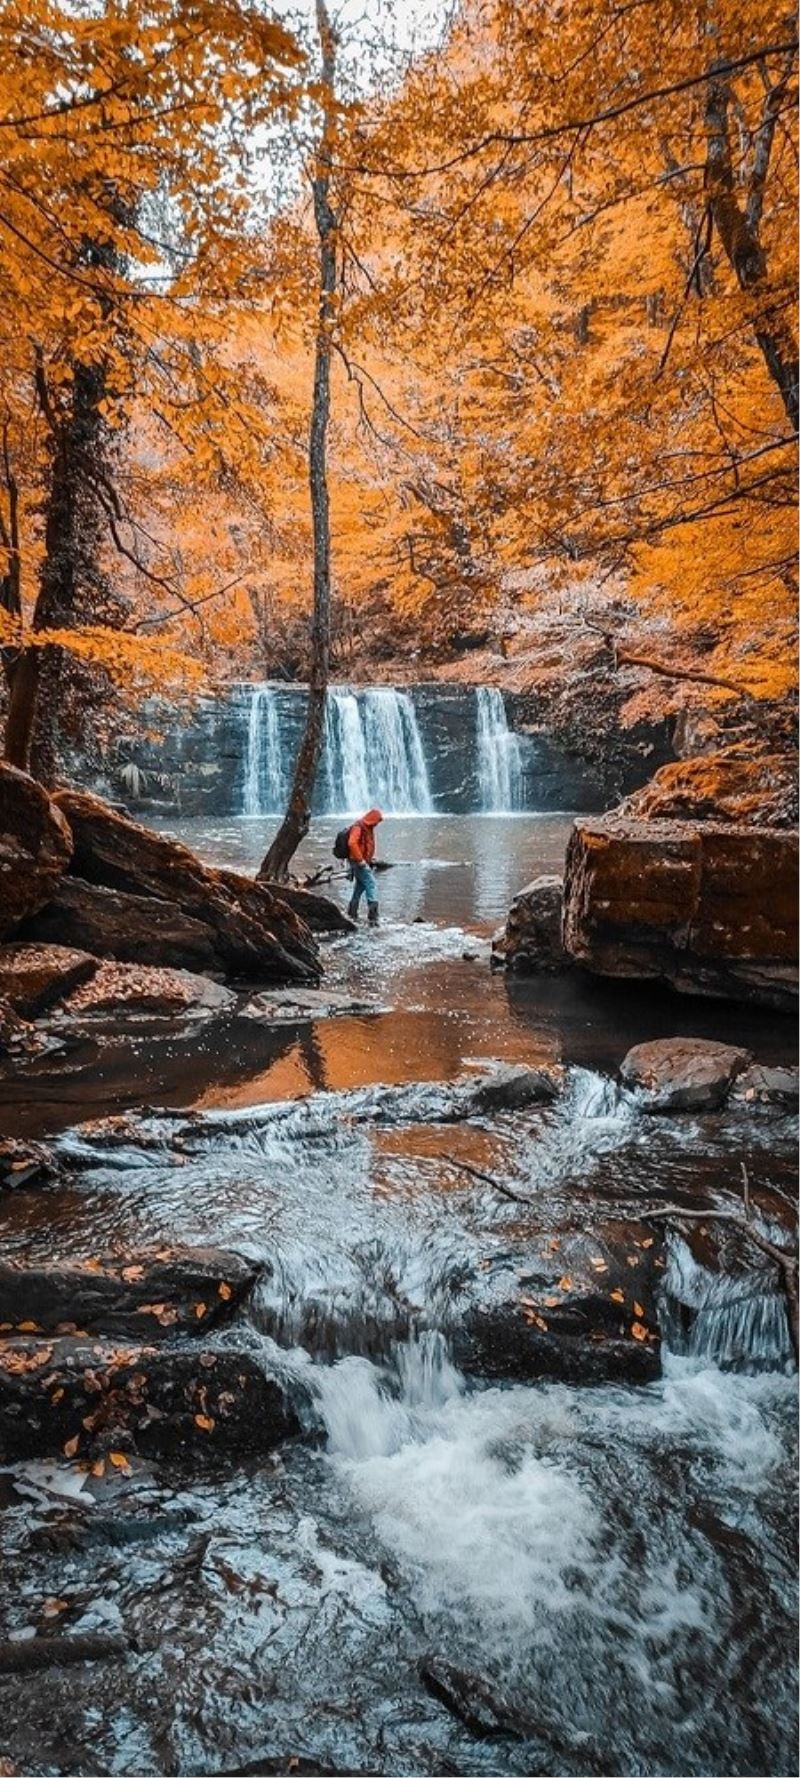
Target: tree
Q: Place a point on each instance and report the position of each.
(296, 821)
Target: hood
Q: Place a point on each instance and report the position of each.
(372, 817)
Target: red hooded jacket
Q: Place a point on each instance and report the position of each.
(361, 838)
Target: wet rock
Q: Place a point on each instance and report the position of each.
(289, 1006)
(768, 1086)
(111, 923)
(752, 790)
(33, 977)
(35, 846)
(469, 1696)
(85, 1398)
(508, 1088)
(253, 931)
(531, 940)
(683, 1073)
(146, 1296)
(23, 1164)
(578, 1305)
(158, 993)
(710, 909)
(320, 912)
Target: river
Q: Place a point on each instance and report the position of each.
(610, 1568)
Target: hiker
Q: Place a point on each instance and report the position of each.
(360, 852)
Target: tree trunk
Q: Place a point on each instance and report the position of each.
(295, 824)
(738, 230)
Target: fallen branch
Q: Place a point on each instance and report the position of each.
(487, 1179)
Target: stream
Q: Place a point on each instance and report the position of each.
(453, 1570)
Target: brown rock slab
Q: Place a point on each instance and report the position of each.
(111, 923)
(683, 1073)
(710, 909)
(145, 1296)
(254, 932)
(33, 977)
(768, 1086)
(86, 1399)
(132, 988)
(35, 846)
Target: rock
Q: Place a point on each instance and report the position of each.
(751, 790)
(683, 1073)
(85, 1398)
(469, 1697)
(35, 846)
(710, 909)
(146, 1296)
(320, 912)
(696, 731)
(768, 1086)
(576, 1304)
(129, 927)
(531, 939)
(158, 993)
(253, 931)
(508, 1088)
(292, 1006)
(34, 976)
(23, 1164)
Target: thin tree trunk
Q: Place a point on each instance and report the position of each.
(295, 824)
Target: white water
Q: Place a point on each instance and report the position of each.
(499, 755)
(265, 779)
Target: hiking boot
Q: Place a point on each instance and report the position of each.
(374, 917)
(352, 908)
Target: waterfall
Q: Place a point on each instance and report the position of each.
(735, 1322)
(372, 752)
(265, 783)
(499, 764)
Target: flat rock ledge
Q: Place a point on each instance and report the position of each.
(146, 1296)
(94, 1400)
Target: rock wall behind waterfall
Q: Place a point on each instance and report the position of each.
(427, 749)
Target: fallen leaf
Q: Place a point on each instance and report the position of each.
(132, 1273)
(638, 1310)
(99, 1468)
(551, 1302)
(56, 1396)
(205, 1422)
(598, 1265)
(649, 1241)
(565, 1283)
(28, 1327)
(638, 1330)
(71, 1446)
(632, 1259)
(91, 1265)
(54, 1607)
(617, 1296)
(224, 1290)
(118, 1459)
(200, 1310)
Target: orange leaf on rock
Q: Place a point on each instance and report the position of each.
(565, 1283)
(224, 1290)
(28, 1327)
(617, 1296)
(118, 1459)
(132, 1273)
(638, 1330)
(638, 1310)
(205, 1422)
(200, 1310)
(71, 1446)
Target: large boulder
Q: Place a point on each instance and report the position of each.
(708, 908)
(34, 977)
(35, 846)
(129, 927)
(683, 1073)
(751, 789)
(254, 932)
(531, 941)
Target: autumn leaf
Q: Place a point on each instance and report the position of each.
(224, 1290)
(71, 1446)
(638, 1310)
(54, 1607)
(205, 1422)
(638, 1330)
(617, 1296)
(649, 1241)
(28, 1327)
(598, 1265)
(132, 1273)
(119, 1460)
(200, 1310)
(565, 1283)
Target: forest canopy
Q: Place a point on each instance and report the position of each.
(562, 356)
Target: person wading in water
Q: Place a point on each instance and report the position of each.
(360, 852)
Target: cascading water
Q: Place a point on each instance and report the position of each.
(265, 777)
(499, 764)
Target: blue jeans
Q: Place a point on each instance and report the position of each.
(364, 884)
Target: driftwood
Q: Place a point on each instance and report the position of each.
(486, 1179)
(60, 1651)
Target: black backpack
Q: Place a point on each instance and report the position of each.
(341, 844)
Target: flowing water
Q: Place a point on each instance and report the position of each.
(499, 754)
(609, 1569)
